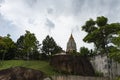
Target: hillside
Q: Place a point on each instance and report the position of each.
(39, 65)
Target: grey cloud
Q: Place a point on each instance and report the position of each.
(50, 25)
(31, 21)
(75, 29)
(6, 27)
(50, 11)
(77, 6)
(31, 3)
(1, 1)
(3, 22)
(114, 11)
(79, 9)
(94, 8)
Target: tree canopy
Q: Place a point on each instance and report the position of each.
(7, 48)
(100, 32)
(49, 46)
(86, 52)
(115, 51)
(27, 46)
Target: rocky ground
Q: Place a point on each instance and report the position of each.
(22, 73)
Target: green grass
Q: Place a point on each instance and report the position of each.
(38, 65)
(118, 78)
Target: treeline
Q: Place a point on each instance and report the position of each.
(105, 37)
(27, 47)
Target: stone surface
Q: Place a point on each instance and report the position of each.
(71, 64)
(21, 73)
(74, 77)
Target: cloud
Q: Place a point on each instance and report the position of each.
(8, 28)
(1, 1)
(31, 3)
(75, 29)
(50, 25)
(50, 11)
(55, 17)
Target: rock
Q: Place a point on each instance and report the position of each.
(21, 73)
(48, 78)
(71, 64)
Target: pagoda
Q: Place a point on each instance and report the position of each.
(71, 45)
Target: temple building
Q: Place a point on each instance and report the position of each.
(71, 45)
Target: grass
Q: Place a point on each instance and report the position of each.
(38, 65)
(118, 78)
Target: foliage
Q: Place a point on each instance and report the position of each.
(115, 56)
(100, 32)
(27, 46)
(99, 74)
(115, 53)
(7, 48)
(49, 46)
(86, 52)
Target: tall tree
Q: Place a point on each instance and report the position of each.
(7, 48)
(27, 45)
(100, 33)
(49, 46)
(20, 48)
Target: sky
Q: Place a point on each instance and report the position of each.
(57, 18)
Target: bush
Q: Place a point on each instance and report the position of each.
(97, 73)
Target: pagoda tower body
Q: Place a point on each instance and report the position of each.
(71, 45)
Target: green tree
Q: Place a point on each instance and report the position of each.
(100, 33)
(115, 51)
(7, 48)
(49, 46)
(86, 52)
(27, 46)
(20, 48)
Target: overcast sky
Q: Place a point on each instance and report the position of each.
(58, 18)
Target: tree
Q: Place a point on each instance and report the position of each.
(86, 52)
(100, 33)
(20, 48)
(27, 46)
(49, 46)
(7, 48)
(115, 51)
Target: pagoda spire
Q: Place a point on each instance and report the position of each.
(71, 36)
(71, 45)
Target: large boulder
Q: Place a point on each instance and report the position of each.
(21, 73)
(71, 64)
